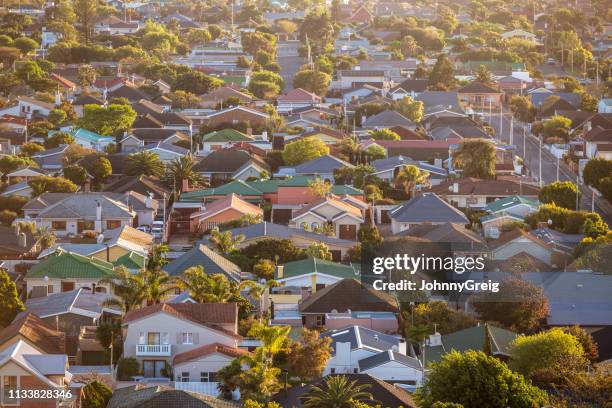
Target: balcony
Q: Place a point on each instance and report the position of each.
(153, 350)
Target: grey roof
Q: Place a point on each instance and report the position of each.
(268, 229)
(427, 207)
(167, 146)
(440, 99)
(360, 337)
(49, 364)
(64, 302)
(83, 205)
(321, 165)
(157, 396)
(211, 261)
(13, 188)
(574, 297)
(388, 118)
(538, 98)
(386, 356)
(400, 161)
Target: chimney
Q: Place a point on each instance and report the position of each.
(249, 131)
(343, 354)
(455, 188)
(149, 201)
(401, 347)
(589, 126)
(22, 240)
(435, 340)
(279, 271)
(185, 185)
(98, 222)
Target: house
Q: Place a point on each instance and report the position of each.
(222, 165)
(217, 97)
(22, 189)
(409, 87)
(201, 255)
(221, 139)
(295, 99)
(324, 167)
(128, 91)
(70, 313)
(598, 143)
(552, 105)
(361, 15)
(517, 242)
(166, 152)
(443, 127)
(160, 396)
(301, 238)
(31, 108)
(457, 235)
(387, 119)
(426, 208)
(201, 364)
(493, 224)
(229, 208)
(383, 393)
(387, 169)
(79, 103)
(511, 85)
(539, 95)
(348, 296)
(516, 205)
(327, 136)
(51, 159)
(419, 150)
(23, 367)
(143, 185)
(342, 214)
(313, 273)
(352, 78)
(518, 33)
(138, 138)
(470, 192)
(155, 335)
(89, 139)
(234, 115)
(479, 95)
(118, 28)
(472, 338)
(440, 101)
(605, 106)
(66, 271)
(34, 331)
(17, 244)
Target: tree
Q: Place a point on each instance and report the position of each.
(319, 250)
(184, 100)
(556, 127)
(410, 108)
(369, 236)
(100, 169)
(445, 319)
(45, 236)
(522, 108)
(264, 89)
(313, 81)
(58, 138)
(49, 184)
(375, 152)
(317, 30)
(303, 150)
(309, 356)
(594, 171)
(224, 242)
(410, 176)
(95, 395)
(143, 163)
(585, 339)
(519, 305)
(196, 36)
(283, 249)
(86, 12)
(157, 285)
(547, 357)
(107, 120)
(75, 173)
(10, 163)
(562, 193)
(29, 149)
(109, 332)
(86, 75)
(25, 45)
(319, 188)
(474, 379)
(264, 269)
(383, 134)
(181, 169)
(127, 368)
(476, 157)
(443, 73)
(196, 82)
(483, 75)
(57, 116)
(128, 289)
(337, 391)
(10, 304)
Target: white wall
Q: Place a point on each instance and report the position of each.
(394, 371)
(210, 363)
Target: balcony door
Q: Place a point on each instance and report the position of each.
(153, 338)
(153, 368)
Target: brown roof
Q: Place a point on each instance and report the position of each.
(479, 87)
(509, 236)
(40, 334)
(406, 134)
(335, 201)
(325, 131)
(348, 294)
(208, 349)
(206, 314)
(474, 186)
(598, 134)
(231, 201)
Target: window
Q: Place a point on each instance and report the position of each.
(58, 225)
(187, 338)
(184, 376)
(9, 382)
(49, 288)
(304, 226)
(112, 224)
(315, 225)
(333, 370)
(320, 320)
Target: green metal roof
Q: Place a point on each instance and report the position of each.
(230, 79)
(310, 265)
(131, 260)
(238, 187)
(225, 135)
(510, 201)
(63, 264)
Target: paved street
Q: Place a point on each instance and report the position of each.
(289, 60)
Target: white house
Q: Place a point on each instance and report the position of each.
(605, 106)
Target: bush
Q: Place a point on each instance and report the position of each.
(568, 221)
(96, 395)
(13, 203)
(127, 368)
(7, 217)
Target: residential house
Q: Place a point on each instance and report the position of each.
(479, 95)
(409, 87)
(201, 255)
(23, 367)
(138, 138)
(143, 185)
(342, 214)
(516, 242)
(387, 119)
(443, 127)
(118, 28)
(221, 139)
(128, 91)
(229, 208)
(31, 108)
(518, 33)
(470, 192)
(155, 335)
(225, 164)
(493, 224)
(457, 236)
(326, 135)
(426, 208)
(34, 331)
(17, 244)
(24, 174)
(383, 393)
(51, 159)
(347, 297)
(352, 78)
(160, 396)
(388, 168)
(395, 70)
(21, 188)
(220, 95)
(361, 15)
(295, 99)
(324, 167)
(539, 95)
(79, 103)
(66, 271)
(440, 101)
(166, 152)
(552, 105)
(89, 139)
(234, 115)
(313, 273)
(598, 143)
(419, 150)
(516, 205)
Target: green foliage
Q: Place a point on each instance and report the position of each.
(25, 45)
(568, 221)
(442, 75)
(7, 217)
(95, 395)
(586, 341)
(557, 127)
(13, 202)
(303, 150)
(100, 169)
(595, 170)
(284, 249)
(337, 391)
(474, 379)
(410, 108)
(10, 304)
(143, 163)
(58, 138)
(10, 163)
(110, 120)
(76, 174)
(439, 316)
(562, 193)
(57, 117)
(476, 157)
(383, 134)
(319, 29)
(264, 268)
(49, 184)
(313, 81)
(196, 82)
(264, 89)
(522, 108)
(127, 368)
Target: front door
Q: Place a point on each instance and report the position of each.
(348, 232)
(67, 286)
(153, 368)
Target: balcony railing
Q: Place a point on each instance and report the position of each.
(153, 350)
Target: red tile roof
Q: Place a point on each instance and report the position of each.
(37, 331)
(207, 350)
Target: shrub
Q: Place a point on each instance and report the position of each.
(127, 368)
(95, 395)
(7, 217)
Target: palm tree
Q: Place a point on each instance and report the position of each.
(224, 242)
(273, 338)
(45, 236)
(128, 288)
(211, 288)
(158, 285)
(410, 177)
(158, 256)
(181, 169)
(337, 392)
(143, 164)
(351, 149)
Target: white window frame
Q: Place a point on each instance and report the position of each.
(187, 338)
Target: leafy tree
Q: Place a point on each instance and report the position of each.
(410, 177)
(184, 100)
(268, 76)
(95, 395)
(548, 356)
(476, 157)
(319, 187)
(46, 237)
(253, 42)
(568, 221)
(264, 89)
(319, 250)
(313, 81)
(181, 169)
(474, 379)
(86, 75)
(561, 193)
(57, 116)
(303, 150)
(110, 331)
(445, 319)
(337, 391)
(75, 173)
(383, 134)
(264, 269)
(58, 138)
(442, 75)
(410, 108)
(100, 169)
(10, 304)
(519, 305)
(196, 82)
(522, 108)
(49, 184)
(127, 368)
(30, 71)
(25, 45)
(317, 30)
(284, 249)
(595, 170)
(483, 75)
(375, 152)
(369, 236)
(7, 217)
(13, 202)
(586, 341)
(557, 127)
(107, 120)
(197, 36)
(143, 163)
(10, 163)
(86, 12)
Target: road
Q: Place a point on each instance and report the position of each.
(289, 60)
(549, 162)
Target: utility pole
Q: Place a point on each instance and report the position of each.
(501, 122)
(577, 193)
(511, 129)
(540, 171)
(557, 169)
